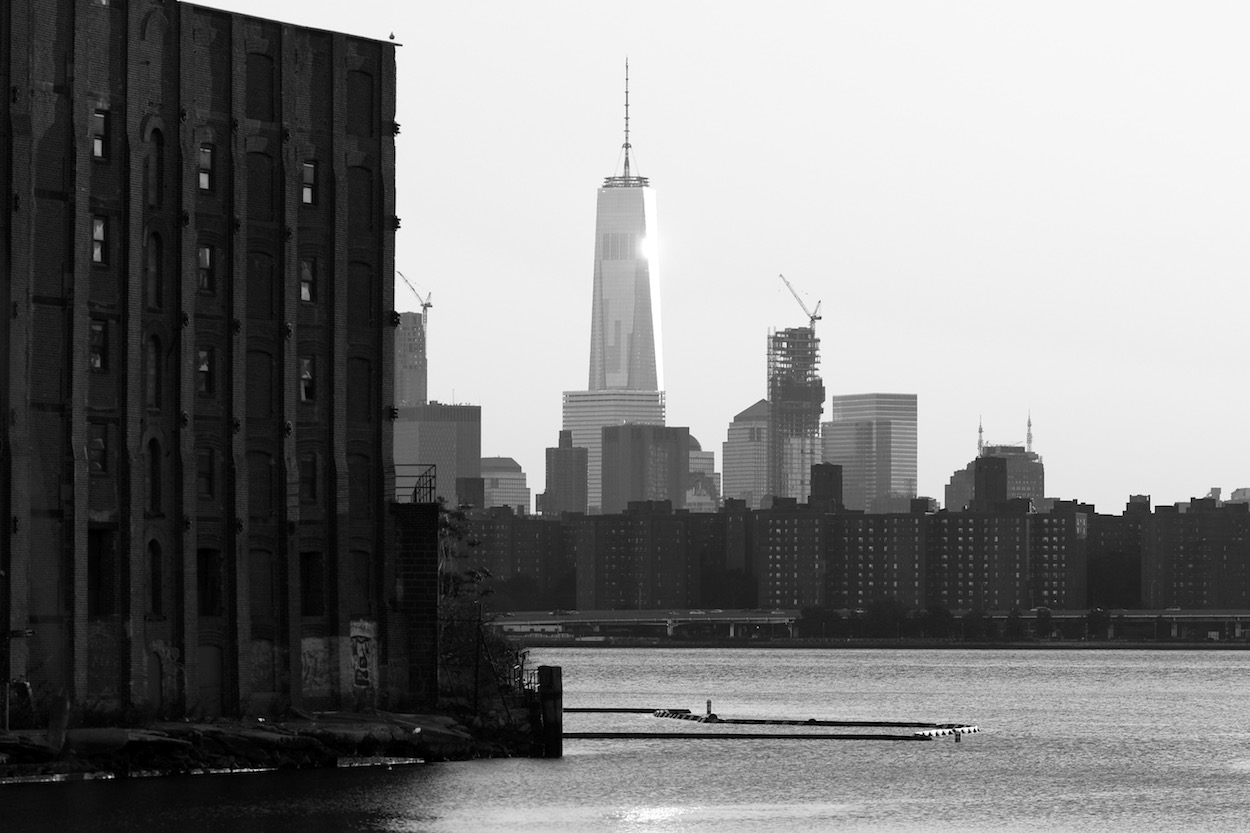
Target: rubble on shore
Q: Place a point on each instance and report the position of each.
(296, 741)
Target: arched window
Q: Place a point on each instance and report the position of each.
(152, 372)
(260, 87)
(156, 167)
(154, 476)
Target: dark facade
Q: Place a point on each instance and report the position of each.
(1025, 477)
(198, 232)
(639, 560)
(1115, 556)
(525, 557)
(567, 469)
(411, 365)
(449, 437)
(644, 463)
(875, 557)
(802, 555)
(1199, 558)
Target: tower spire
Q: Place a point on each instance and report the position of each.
(626, 179)
(1028, 438)
(980, 436)
(626, 145)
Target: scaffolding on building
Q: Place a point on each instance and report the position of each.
(796, 396)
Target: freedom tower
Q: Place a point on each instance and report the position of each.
(625, 374)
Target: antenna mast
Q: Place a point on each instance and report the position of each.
(980, 436)
(1028, 442)
(626, 145)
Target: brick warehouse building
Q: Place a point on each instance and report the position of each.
(197, 244)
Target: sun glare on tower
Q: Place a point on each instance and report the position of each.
(649, 247)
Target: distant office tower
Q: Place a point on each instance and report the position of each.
(644, 462)
(566, 478)
(796, 399)
(827, 490)
(1026, 475)
(587, 413)
(703, 487)
(625, 374)
(504, 484)
(410, 362)
(744, 456)
(446, 436)
(872, 436)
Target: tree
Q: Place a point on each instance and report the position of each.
(1014, 629)
(884, 618)
(937, 622)
(1042, 624)
(1097, 623)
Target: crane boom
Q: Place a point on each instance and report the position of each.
(812, 315)
(424, 302)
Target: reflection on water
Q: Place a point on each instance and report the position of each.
(1072, 741)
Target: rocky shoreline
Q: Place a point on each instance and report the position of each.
(298, 741)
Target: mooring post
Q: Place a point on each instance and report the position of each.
(551, 701)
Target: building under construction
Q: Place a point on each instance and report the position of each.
(796, 397)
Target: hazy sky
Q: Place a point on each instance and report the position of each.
(1003, 207)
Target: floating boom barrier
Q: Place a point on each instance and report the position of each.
(923, 731)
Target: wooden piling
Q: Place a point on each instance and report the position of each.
(551, 702)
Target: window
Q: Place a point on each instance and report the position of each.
(312, 584)
(209, 582)
(308, 279)
(207, 283)
(98, 344)
(99, 240)
(310, 183)
(205, 482)
(155, 171)
(308, 477)
(206, 167)
(359, 103)
(97, 447)
(307, 380)
(101, 573)
(260, 87)
(204, 371)
(99, 134)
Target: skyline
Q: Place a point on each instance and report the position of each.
(925, 172)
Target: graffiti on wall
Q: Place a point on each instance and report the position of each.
(263, 665)
(170, 667)
(364, 634)
(315, 666)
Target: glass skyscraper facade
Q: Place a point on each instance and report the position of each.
(872, 436)
(625, 381)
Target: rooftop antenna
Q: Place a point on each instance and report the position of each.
(626, 145)
(980, 436)
(1028, 441)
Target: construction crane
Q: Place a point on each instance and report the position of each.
(425, 303)
(812, 315)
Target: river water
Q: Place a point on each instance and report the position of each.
(1080, 740)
